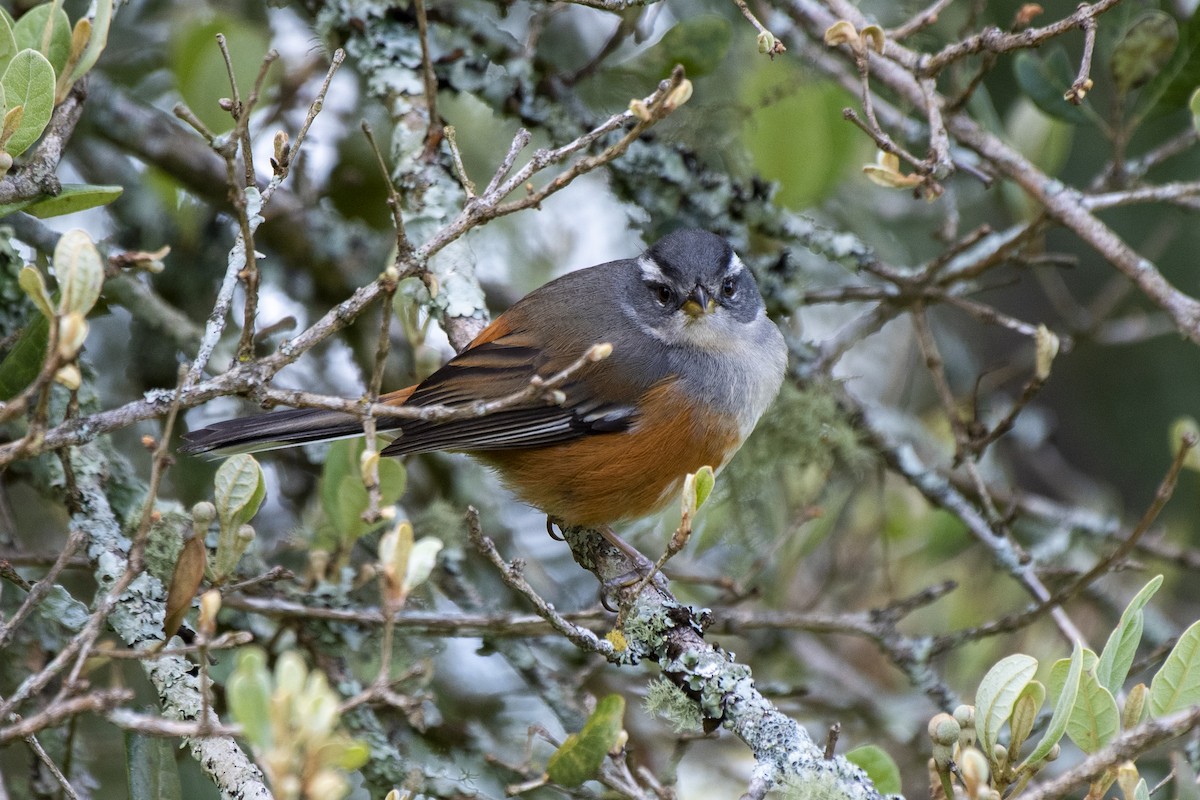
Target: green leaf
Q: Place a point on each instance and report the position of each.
(998, 692)
(340, 462)
(807, 119)
(1095, 719)
(1024, 715)
(1118, 653)
(8, 43)
(879, 766)
(29, 82)
(248, 692)
(79, 271)
(97, 42)
(1134, 710)
(1045, 79)
(31, 280)
(239, 490)
(1177, 684)
(350, 504)
(23, 362)
(581, 755)
(1060, 671)
(19, 205)
(73, 197)
(393, 479)
(1144, 49)
(354, 755)
(151, 768)
(1068, 691)
(706, 479)
(47, 30)
(343, 495)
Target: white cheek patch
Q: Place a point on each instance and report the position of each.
(631, 314)
(651, 271)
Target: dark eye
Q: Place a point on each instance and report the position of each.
(661, 292)
(729, 288)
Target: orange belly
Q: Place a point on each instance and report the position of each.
(605, 478)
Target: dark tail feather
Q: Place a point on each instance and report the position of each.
(271, 431)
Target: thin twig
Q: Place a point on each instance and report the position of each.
(1083, 81)
(510, 573)
(433, 136)
(769, 43)
(39, 590)
(48, 762)
(919, 21)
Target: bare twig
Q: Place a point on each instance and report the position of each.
(61, 710)
(511, 574)
(768, 43)
(1083, 81)
(42, 587)
(919, 21)
(433, 136)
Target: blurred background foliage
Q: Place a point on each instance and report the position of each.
(807, 518)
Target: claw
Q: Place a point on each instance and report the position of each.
(550, 530)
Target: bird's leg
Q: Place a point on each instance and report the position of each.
(640, 563)
(642, 568)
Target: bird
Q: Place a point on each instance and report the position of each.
(694, 364)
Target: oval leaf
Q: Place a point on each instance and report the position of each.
(96, 42)
(30, 279)
(189, 571)
(1118, 653)
(581, 754)
(24, 360)
(239, 490)
(998, 692)
(1062, 708)
(1177, 684)
(8, 43)
(47, 30)
(706, 479)
(74, 197)
(29, 83)
(1095, 720)
(1024, 715)
(248, 692)
(79, 271)
(879, 766)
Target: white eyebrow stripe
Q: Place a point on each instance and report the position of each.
(651, 271)
(735, 266)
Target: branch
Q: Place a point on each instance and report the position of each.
(38, 177)
(670, 634)
(1127, 746)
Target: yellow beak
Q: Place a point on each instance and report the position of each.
(698, 303)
